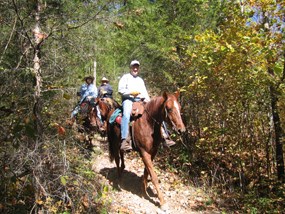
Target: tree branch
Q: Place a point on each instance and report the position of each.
(9, 40)
(22, 23)
(283, 73)
(89, 20)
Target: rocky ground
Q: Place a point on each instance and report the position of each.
(125, 194)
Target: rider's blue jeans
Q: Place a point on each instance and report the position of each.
(127, 109)
(75, 111)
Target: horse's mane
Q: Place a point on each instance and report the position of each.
(116, 104)
(111, 105)
(153, 107)
(154, 102)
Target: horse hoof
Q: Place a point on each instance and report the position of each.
(164, 208)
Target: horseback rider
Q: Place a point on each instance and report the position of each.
(105, 89)
(132, 88)
(87, 91)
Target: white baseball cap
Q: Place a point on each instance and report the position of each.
(135, 62)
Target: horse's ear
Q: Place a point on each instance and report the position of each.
(165, 95)
(177, 94)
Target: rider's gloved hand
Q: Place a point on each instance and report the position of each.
(134, 93)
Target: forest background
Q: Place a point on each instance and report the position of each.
(226, 58)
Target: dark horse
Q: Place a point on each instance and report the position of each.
(105, 106)
(84, 119)
(147, 135)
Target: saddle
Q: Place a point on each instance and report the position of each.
(137, 110)
(84, 106)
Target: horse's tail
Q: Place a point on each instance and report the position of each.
(114, 137)
(112, 142)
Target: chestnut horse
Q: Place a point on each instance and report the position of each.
(147, 135)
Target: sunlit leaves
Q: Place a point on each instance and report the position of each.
(63, 180)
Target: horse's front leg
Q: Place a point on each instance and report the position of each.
(149, 167)
(144, 184)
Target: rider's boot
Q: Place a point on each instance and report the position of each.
(168, 142)
(103, 127)
(126, 146)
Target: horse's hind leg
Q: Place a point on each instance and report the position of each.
(122, 161)
(117, 161)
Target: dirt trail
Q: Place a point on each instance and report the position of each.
(125, 194)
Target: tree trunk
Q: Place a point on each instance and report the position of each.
(37, 108)
(37, 73)
(278, 133)
(95, 72)
(274, 108)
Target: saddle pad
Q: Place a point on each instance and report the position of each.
(114, 115)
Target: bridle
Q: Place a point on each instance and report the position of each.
(166, 113)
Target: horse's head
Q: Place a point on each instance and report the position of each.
(93, 114)
(172, 111)
(104, 107)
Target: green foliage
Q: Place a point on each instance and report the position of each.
(211, 50)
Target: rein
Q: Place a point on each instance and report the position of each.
(166, 113)
(155, 121)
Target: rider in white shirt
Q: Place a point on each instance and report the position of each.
(132, 88)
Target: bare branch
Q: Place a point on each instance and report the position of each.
(9, 40)
(22, 23)
(89, 20)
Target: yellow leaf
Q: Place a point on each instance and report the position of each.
(39, 202)
(63, 180)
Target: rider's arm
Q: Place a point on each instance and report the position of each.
(109, 89)
(123, 86)
(98, 91)
(144, 92)
(83, 89)
(92, 90)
